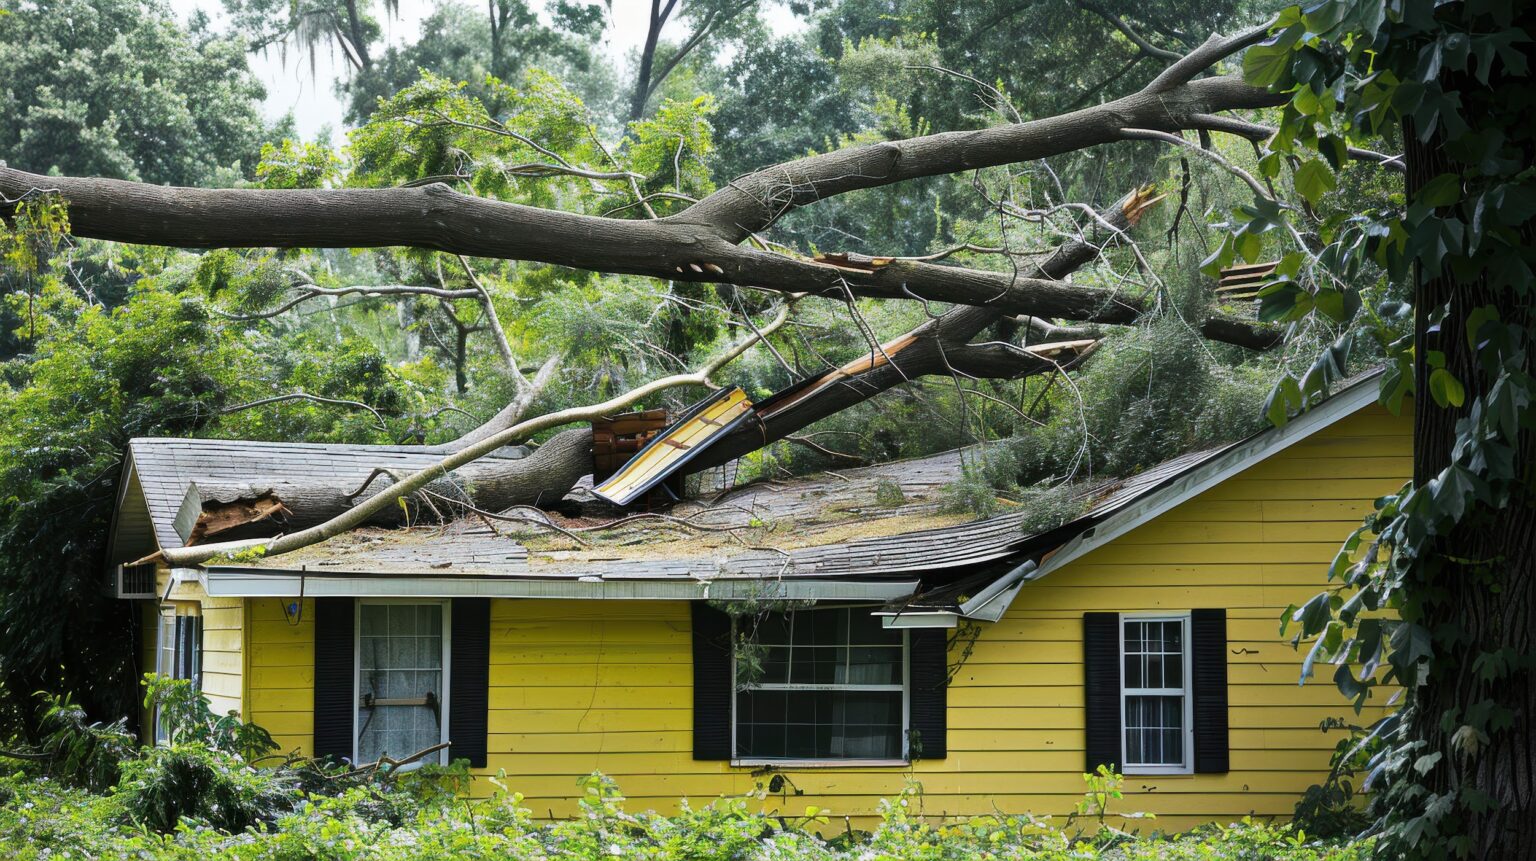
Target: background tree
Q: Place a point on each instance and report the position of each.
(117, 88)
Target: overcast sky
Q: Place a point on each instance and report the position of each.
(314, 103)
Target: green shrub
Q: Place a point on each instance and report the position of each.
(42, 818)
(191, 781)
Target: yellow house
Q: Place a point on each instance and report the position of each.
(859, 644)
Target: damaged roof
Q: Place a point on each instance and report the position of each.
(159, 472)
(870, 533)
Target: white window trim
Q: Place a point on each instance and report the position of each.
(357, 674)
(1187, 692)
(832, 762)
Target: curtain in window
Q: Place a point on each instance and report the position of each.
(400, 679)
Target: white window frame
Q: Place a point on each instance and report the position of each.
(357, 673)
(831, 762)
(168, 628)
(1187, 692)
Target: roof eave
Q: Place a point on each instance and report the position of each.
(247, 582)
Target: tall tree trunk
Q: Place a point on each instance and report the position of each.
(642, 89)
(1479, 580)
(356, 37)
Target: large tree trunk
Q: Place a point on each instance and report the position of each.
(1480, 579)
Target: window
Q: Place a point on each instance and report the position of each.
(402, 660)
(1155, 694)
(178, 652)
(821, 685)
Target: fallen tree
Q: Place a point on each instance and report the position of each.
(707, 242)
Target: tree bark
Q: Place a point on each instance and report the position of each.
(700, 244)
(1480, 579)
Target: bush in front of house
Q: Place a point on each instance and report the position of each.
(213, 789)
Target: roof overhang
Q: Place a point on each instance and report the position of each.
(245, 582)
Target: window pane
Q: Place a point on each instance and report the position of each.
(812, 698)
(873, 665)
(819, 724)
(1154, 730)
(400, 657)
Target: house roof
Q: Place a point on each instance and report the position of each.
(159, 473)
(833, 526)
(843, 534)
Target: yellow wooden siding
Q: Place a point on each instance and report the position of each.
(223, 653)
(578, 686)
(223, 638)
(280, 672)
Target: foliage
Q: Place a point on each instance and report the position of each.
(1334, 808)
(117, 88)
(187, 718)
(80, 752)
(1453, 81)
(92, 378)
(41, 818)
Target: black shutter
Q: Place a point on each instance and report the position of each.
(1101, 683)
(928, 701)
(469, 680)
(335, 696)
(1208, 671)
(711, 682)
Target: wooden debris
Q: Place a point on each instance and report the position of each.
(1243, 282)
(849, 260)
(219, 517)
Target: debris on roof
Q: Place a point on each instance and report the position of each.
(708, 421)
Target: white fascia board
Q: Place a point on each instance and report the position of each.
(1193, 483)
(914, 619)
(245, 583)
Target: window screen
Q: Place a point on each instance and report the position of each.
(821, 684)
(400, 679)
(1156, 691)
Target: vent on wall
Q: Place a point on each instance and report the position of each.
(134, 581)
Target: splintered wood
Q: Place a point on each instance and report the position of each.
(218, 517)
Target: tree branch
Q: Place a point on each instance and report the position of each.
(1258, 133)
(304, 396)
(437, 217)
(464, 455)
(310, 291)
(1136, 39)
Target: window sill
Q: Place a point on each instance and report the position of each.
(820, 763)
(1157, 771)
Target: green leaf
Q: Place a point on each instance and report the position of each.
(1446, 389)
(1443, 190)
(1313, 180)
(1265, 65)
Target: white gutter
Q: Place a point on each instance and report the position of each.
(1182, 489)
(263, 583)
